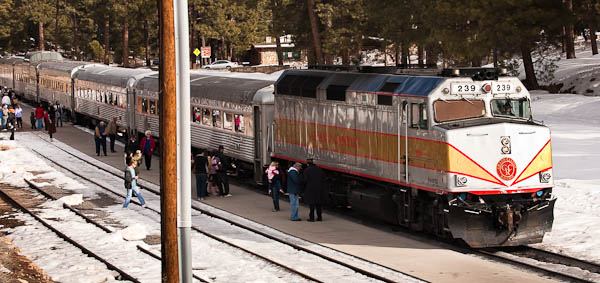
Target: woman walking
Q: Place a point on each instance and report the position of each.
(213, 165)
(51, 128)
(131, 184)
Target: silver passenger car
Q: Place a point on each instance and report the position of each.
(103, 92)
(55, 83)
(225, 111)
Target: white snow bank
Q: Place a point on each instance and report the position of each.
(135, 232)
(74, 199)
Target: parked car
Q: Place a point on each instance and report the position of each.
(221, 64)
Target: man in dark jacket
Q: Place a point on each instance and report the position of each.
(222, 178)
(294, 187)
(200, 170)
(314, 189)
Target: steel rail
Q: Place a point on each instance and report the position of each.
(290, 269)
(515, 261)
(266, 235)
(14, 202)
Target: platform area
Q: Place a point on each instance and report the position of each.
(425, 259)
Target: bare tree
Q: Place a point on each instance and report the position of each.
(315, 31)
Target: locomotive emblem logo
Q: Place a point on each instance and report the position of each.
(506, 168)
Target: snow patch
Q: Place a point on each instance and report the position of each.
(74, 199)
(135, 232)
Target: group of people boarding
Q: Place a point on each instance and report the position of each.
(211, 170)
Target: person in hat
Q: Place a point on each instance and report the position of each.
(294, 188)
(314, 189)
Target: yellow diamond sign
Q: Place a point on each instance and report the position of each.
(197, 52)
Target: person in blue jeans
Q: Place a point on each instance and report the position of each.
(131, 184)
(294, 185)
(274, 178)
(200, 169)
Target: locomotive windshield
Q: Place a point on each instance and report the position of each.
(451, 110)
(511, 108)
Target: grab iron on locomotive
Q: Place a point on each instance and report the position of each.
(458, 154)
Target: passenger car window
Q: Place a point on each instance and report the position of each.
(238, 121)
(153, 107)
(206, 117)
(216, 119)
(144, 105)
(196, 115)
(228, 123)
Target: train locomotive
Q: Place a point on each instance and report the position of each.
(458, 155)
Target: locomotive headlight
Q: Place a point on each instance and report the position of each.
(505, 150)
(545, 177)
(505, 141)
(445, 90)
(518, 89)
(460, 181)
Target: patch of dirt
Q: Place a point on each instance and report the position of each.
(152, 240)
(35, 173)
(42, 180)
(4, 147)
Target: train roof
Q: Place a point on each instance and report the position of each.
(62, 66)
(43, 55)
(360, 82)
(229, 89)
(11, 60)
(115, 76)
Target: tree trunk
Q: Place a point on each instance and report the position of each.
(41, 35)
(192, 17)
(530, 78)
(570, 33)
(106, 39)
(126, 43)
(495, 54)
(476, 62)
(75, 39)
(593, 40)
(223, 48)
(315, 31)
(405, 55)
(204, 45)
(56, 27)
(432, 56)
(230, 53)
(346, 57)
(147, 42)
(420, 52)
(397, 55)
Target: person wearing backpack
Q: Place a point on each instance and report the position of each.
(131, 184)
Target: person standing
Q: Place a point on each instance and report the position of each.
(59, 114)
(4, 116)
(112, 133)
(131, 184)
(131, 147)
(51, 128)
(32, 120)
(6, 99)
(39, 116)
(274, 178)
(100, 137)
(147, 146)
(11, 123)
(19, 116)
(213, 164)
(294, 187)
(52, 113)
(223, 178)
(314, 190)
(201, 172)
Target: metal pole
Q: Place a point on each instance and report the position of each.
(184, 220)
(168, 146)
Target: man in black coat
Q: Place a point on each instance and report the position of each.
(315, 194)
(222, 177)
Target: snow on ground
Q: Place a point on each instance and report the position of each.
(575, 124)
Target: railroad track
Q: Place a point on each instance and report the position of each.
(545, 262)
(369, 274)
(20, 206)
(520, 255)
(94, 222)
